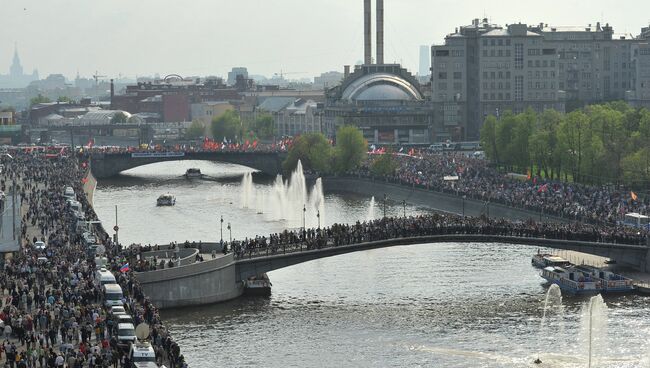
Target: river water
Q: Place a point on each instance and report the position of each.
(429, 305)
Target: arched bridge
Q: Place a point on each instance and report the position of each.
(220, 279)
(252, 264)
(105, 165)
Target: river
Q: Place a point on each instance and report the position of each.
(429, 305)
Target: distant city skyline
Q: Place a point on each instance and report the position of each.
(203, 37)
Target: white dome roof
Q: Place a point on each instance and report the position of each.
(381, 86)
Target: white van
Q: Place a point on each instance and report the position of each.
(69, 192)
(104, 278)
(125, 333)
(142, 352)
(112, 295)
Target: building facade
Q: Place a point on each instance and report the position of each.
(484, 69)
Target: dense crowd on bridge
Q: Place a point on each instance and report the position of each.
(281, 145)
(429, 225)
(466, 175)
(51, 312)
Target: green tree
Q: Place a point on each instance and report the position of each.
(63, 99)
(119, 118)
(314, 152)
(385, 165)
(264, 126)
(39, 99)
(227, 125)
(196, 130)
(489, 140)
(351, 148)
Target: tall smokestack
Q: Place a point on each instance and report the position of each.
(112, 93)
(367, 37)
(380, 31)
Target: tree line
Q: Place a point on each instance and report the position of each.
(599, 144)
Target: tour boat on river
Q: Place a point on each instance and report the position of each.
(193, 172)
(166, 200)
(542, 260)
(610, 281)
(572, 280)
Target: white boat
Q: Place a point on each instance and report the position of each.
(572, 280)
(166, 200)
(542, 260)
(193, 173)
(258, 286)
(611, 282)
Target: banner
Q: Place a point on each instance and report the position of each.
(157, 154)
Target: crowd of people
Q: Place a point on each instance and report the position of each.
(51, 310)
(429, 225)
(464, 174)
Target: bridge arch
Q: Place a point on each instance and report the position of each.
(104, 165)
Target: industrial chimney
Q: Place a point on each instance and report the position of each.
(367, 37)
(112, 93)
(380, 31)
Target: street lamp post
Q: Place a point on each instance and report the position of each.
(404, 206)
(464, 206)
(230, 232)
(221, 229)
(318, 217)
(304, 213)
(385, 205)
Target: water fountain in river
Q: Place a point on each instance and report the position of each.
(594, 328)
(371, 210)
(247, 190)
(288, 200)
(552, 306)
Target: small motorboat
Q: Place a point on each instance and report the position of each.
(193, 173)
(166, 200)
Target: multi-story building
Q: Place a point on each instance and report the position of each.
(7, 118)
(171, 99)
(640, 95)
(484, 69)
(595, 63)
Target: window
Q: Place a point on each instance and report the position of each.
(519, 56)
(458, 75)
(537, 63)
(493, 75)
(533, 52)
(492, 96)
(508, 75)
(507, 53)
(485, 85)
(485, 75)
(492, 42)
(485, 53)
(500, 96)
(500, 85)
(458, 86)
(508, 96)
(500, 42)
(500, 75)
(485, 42)
(507, 85)
(492, 53)
(552, 63)
(442, 65)
(485, 97)
(442, 86)
(508, 42)
(500, 53)
(530, 63)
(442, 75)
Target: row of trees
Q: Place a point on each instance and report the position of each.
(316, 153)
(232, 127)
(600, 144)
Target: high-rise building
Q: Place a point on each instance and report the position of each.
(425, 61)
(232, 75)
(16, 77)
(485, 69)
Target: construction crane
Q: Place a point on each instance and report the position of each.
(96, 77)
(282, 74)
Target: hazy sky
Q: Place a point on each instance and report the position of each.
(304, 37)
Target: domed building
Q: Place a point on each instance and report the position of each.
(384, 100)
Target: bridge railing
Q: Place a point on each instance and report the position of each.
(322, 241)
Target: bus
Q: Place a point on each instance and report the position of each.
(636, 220)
